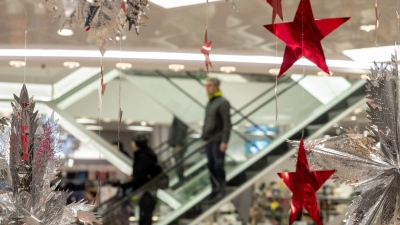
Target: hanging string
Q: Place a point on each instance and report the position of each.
(377, 17)
(207, 15)
(276, 84)
(99, 124)
(302, 54)
(119, 93)
(25, 34)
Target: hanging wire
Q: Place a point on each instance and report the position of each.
(119, 93)
(99, 119)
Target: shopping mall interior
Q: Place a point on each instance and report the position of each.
(151, 77)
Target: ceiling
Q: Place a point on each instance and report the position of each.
(182, 30)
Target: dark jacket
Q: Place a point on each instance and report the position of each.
(217, 120)
(144, 167)
(177, 133)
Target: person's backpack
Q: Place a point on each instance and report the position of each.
(162, 180)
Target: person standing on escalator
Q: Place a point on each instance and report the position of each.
(216, 132)
(178, 141)
(144, 169)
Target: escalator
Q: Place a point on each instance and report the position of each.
(306, 110)
(194, 166)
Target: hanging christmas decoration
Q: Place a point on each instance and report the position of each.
(370, 163)
(206, 49)
(102, 89)
(29, 166)
(304, 184)
(135, 13)
(102, 23)
(276, 9)
(303, 37)
(65, 11)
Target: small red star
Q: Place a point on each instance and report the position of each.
(276, 9)
(304, 183)
(303, 36)
(206, 49)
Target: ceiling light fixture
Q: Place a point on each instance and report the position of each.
(94, 127)
(65, 32)
(364, 76)
(143, 123)
(274, 71)
(228, 69)
(84, 120)
(176, 67)
(71, 65)
(129, 122)
(140, 128)
(179, 3)
(124, 66)
(107, 120)
(322, 73)
(177, 56)
(354, 118)
(17, 64)
(367, 28)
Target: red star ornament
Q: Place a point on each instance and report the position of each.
(276, 9)
(304, 183)
(206, 49)
(303, 37)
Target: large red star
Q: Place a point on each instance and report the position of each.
(276, 9)
(304, 183)
(303, 36)
(206, 49)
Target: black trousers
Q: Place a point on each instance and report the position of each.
(147, 204)
(180, 168)
(216, 167)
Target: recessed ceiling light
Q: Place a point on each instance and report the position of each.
(179, 3)
(86, 120)
(354, 118)
(364, 76)
(129, 122)
(65, 32)
(322, 73)
(367, 28)
(139, 128)
(143, 123)
(17, 64)
(71, 65)
(124, 37)
(94, 127)
(107, 120)
(124, 66)
(176, 67)
(274, 71)
(228, 69)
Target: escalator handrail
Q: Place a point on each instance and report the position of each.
(179, 162)
(200, 104)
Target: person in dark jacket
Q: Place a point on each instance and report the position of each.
(216, 132)
(178, 141)
(144, 164)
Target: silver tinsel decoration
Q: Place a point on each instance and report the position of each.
(28, 166)
(370, 163)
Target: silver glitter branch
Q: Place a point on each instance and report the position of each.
(28, 165)
(370, 163)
